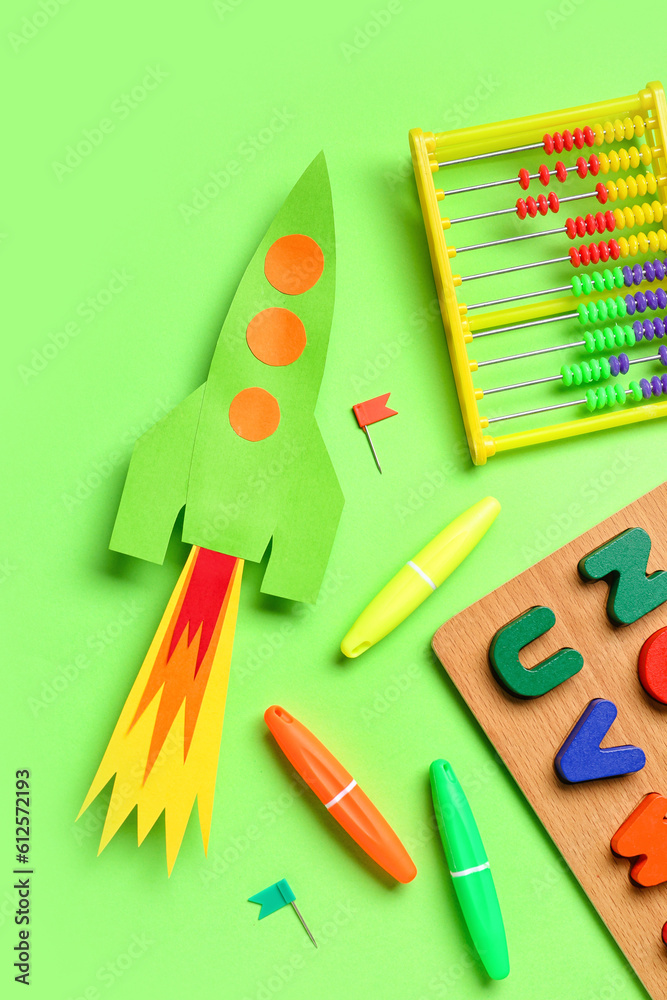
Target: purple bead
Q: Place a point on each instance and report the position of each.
(662, 354)
(651, 300)
(659, 327)
(638, 330)
(627, 277)
(645, 388)
(649, 330)
(614, 365)
(649, 271)
(640, 302)
(659, 269)
(637, 274)
(624, 363)
(664, 383)
(630, 303)
(656, 386)
(661, 298)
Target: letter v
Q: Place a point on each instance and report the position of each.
(581, 758)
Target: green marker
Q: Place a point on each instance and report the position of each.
(469, 868)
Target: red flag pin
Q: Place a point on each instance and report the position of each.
(370, 412)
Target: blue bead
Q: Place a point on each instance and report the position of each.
(638, 330)
(640, 301)
(624, 363)
(649, 271)
(651, 300)
(637, 274)
(627, 276)
(661, 297)
(645, 388)
(664, 383)
(581, 758)
(662, 354)
(659, 327)
(659, 269)
(614, 365)
(649, 330)
(630, 303)
(656, 386)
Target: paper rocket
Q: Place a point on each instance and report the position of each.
(244, 455)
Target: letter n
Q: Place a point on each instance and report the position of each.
(622, 563)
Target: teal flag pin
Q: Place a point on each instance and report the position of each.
(274, 897)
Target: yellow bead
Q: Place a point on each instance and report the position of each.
(625, 187)
(620, 218)
(628, 127)
(598, 132)
(662, 237)
(619, 131)
(624, 159)
(646, 155)
(623, 245)
(642, 240)
(604, 163)
(639, 183)
(614, 161)
(633, 245)
(629, 217)
(612, 190)
(658, 210)
(608, 132)
(651, 183)
(653, 241)
(633, 154)
(638, 123)
(641, 214)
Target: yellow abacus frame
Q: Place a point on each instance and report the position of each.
(429, 148)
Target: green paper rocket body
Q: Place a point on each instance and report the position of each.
(243, 480)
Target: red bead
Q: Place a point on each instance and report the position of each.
(567, 140)
(554, 203)
(578, 138)
(589, 136)
(521, 208)
(585, 255)
(558, 142)
(603, 251)
(548, 144)
(542, 205)
(544, 174)
(589, 223)
(574, 257)
(532, 207)
(600, 222)
(601, 193)
(594, 164)
(614, 249)
(524, 178)
(571, 228)
(561, 171)
(610, 222)
(582, 167)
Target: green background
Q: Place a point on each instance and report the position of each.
(78, 619)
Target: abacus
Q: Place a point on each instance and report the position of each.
(612, 306)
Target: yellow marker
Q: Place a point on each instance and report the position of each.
(420, 577)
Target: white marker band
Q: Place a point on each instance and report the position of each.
(427, 579)
(343, 792)
(469, 871)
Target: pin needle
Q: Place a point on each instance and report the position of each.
(305, 925)
(377, 461)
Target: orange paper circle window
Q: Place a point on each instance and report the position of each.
(294, 264)
(254, 414)
(276, 336)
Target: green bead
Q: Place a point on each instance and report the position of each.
(636, 391)
(619, 280)
(566, 374)
(586, 284)
(601, 396)
(591, 399)
(630, 337)
(576, 285)
(610, 309)
(598, 281)
(621, 307)
(589, 341)
(605, 367)
(601, 339)
(586, 372)
(546, 675)
(583, 313)
(621, 395)
(622, 563)
(611, 395)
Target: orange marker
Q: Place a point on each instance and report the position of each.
(340, 794)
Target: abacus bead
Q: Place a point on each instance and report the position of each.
(586, 284)
(605, 338)
(656, 385)
(651, 299)
(640, 301)
(591, 399)
(638, 123)
(649, 329)
(558, 142)
(610, 393)
(593, 164)
(575, 258)
(552, 199)
(584, 316)
(624, 362)
(645, 388)
(662, 353)
(594, 253)
(649, 271)
(571, 229)
(576, 285)
(521, 208)
(587, 374)
(609, 222)
(544, 174)
(617, 277)
(603, 251)
(630, 303)
(664, 383)
(568, 141)
(605, 367)
(589, 136)
(578, 137)
(614, 249)
(659, 327)
(630, 336)
(620, 393)
(566, 375)
(524, 178)
(548, 144)
(582, 166)
(595, 368)
(661, 298)
(614, 365)
(589, 342)
(637, 274)
(659, 269)
(542, 205)
(636, 390)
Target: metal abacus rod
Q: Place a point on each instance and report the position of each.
(598, 399)
(597, 134)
